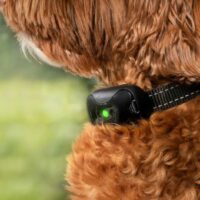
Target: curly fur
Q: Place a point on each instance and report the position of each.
(142, 42)
(156, 159)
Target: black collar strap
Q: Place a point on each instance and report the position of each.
(129, 103)
(169, 96)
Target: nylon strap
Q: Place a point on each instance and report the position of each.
(169, 96)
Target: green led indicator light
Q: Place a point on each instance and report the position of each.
(105, 114)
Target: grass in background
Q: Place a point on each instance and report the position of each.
(42, 110)
(38, 123)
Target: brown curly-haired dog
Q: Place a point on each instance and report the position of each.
(141, 42)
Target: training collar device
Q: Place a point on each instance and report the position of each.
(126, 104)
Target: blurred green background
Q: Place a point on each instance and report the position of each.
(42, 111)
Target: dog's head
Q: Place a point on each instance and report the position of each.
(119, 41)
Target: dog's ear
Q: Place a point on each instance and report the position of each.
(196, 6)
(118, 41)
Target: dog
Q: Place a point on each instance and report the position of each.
(147, 43)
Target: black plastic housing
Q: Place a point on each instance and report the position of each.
(126, 104)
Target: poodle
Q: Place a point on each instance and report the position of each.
(145, 43)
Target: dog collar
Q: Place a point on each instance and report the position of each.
(129, 103)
